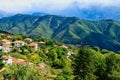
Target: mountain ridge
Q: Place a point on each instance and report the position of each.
(70, 30)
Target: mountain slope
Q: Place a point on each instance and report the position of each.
(70, 30)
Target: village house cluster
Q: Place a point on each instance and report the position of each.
(7, 44)
(10, 60)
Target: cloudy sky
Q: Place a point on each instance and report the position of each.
(86, 9)
(52, 5)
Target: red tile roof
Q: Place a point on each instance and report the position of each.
(32, 44)
(28, 39)
(6, 45)
(17, 61)
(5, 40)
(23, 62)
(18, 41)
(9, 37)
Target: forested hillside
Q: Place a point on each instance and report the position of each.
(70, 30)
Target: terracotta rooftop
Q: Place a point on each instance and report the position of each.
(17, 61)
(6, 45)
(28, 39)
(18, 41)
(9, 37)
(32, 44)
(5, 40)
(23, 62)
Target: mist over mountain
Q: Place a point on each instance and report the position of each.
(4, 14)
(92, 13)
(83, 9)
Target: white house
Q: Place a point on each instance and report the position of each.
(8, 59)
(18, 43)
(6, 48)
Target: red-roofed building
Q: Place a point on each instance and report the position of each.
(9, 37)
(6, 48)
(5, 41)
(8, 59)
(33, 45)
(18, 43)
(28, 40)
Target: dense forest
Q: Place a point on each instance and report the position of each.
(61, 62)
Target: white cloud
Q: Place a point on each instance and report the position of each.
(98, 3)
(51, 5)
(26, 5)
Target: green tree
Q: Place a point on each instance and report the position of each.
(100, 68)
(96, 48)
(52, 54)
(84, 65)
(17, 37)
(61, 52)
(22, 72)
(35, 58)
(1, 60)
(113, 67)
(24, 50)
(67, 72)
(104, 51)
